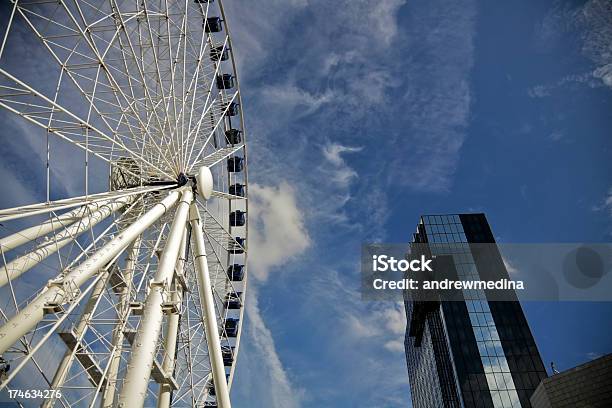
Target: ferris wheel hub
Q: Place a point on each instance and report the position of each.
(204, 182)
(182, 179)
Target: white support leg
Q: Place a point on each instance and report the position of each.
(64, 366)
(208, 308)
(172, 326)
(135, 385)
(60, 292)
(131, 261)
(20, 265)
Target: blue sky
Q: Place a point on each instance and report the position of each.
(363, 115)
(370, 114)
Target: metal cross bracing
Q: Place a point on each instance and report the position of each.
(132, 296)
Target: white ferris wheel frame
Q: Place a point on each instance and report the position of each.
(152, 245)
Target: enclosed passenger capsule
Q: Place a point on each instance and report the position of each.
(211, 391)
(211, 388)
(233, 300)
(219, 53)
(228, 355)
(231, 327)
(225, 81)
(213, 25)
(235, 164)
(233, 136)
(239, 247)
(237, 218)
(237, 189)
(235, 272)
(232, 109)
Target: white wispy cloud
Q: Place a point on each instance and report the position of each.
(280, 391)
(340, 172)
(277, 236)
(278, 233)
(512, 270)
(595, 17)
(590, 22)
(292, 100)
(333, 151)
(605, 204)
(572, 80)
(257, 29)
(368, 339)
(364, 321)
(437, 101)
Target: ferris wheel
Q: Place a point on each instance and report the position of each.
(131, 294)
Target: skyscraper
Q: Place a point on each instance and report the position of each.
(472, 353)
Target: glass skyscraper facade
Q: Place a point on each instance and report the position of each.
(475, 352)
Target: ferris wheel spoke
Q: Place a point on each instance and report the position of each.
(8, 29)
(73, 70)
(205, 109)
(126, 52)
(227, 196)
(22, 264)
(200, 68)
(50, 206)
(140, 68)
(115, 82)
(171, 58)
(217, 156)
(191, 89)
(169, 139)
(218, 233)
(189, 50)
(206, 141)
(88, 39)
(75, 123)
(180, 115)
(35, 232)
